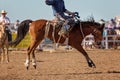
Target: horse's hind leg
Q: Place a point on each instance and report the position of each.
(27, 62)
(31, 49)
(33, 54)
(89, 61)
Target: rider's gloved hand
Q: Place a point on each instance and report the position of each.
(76, 14)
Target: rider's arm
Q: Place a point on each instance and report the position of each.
(58, 16)
(69, 12)
(7, 21)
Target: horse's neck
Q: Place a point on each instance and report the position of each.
(2, 31)
(85, 31)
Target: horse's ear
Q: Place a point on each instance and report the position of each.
(102, 26)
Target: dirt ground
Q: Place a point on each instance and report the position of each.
(63, 65)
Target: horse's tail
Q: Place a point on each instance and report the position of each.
(23, 28)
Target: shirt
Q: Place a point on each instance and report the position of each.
(58, 7)
(4, 19)
(111, 25)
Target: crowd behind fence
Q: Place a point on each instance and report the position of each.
(107, 39)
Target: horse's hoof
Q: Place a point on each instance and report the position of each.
(91, 64)
(27, 67)
(8, 61)
(34, 66)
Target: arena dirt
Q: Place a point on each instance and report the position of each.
(63, 65)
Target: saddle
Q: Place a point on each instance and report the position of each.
(63, 31)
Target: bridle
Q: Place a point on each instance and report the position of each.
(94, 32)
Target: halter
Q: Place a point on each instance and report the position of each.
(81, 29)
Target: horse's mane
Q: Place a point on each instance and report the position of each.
(90, 21)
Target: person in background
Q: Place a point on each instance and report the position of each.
(118, 24)
(4, 19)
(111, 24)
(16, 24)
(117, 28)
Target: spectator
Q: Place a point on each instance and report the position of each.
(111, 24)
(16, 24)
(118, 24)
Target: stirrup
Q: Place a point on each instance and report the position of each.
(63, 34)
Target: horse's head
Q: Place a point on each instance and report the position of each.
(97, 31)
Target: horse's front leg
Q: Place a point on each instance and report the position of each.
(7, 55)
(2, 55)
(89, 61)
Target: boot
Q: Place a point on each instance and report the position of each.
(64, 30)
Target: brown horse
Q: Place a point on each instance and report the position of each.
(42, 28)
(3, 44)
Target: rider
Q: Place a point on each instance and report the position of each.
(6, 20)
(59, 11)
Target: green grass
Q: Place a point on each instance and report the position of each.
(24, 43)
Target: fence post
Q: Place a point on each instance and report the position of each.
(106, 39)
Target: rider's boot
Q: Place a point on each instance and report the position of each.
(64, 30)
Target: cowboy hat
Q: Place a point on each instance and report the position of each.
(3, 11)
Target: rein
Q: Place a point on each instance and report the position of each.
(94, 32)
(81, 29)
(47, 28)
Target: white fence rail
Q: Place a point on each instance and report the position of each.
(105, 41)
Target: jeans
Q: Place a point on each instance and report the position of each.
(9, 34)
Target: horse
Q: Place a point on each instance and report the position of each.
(4, 44)
(42, 28)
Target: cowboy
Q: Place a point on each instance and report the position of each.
(4, 19)
(59, 11)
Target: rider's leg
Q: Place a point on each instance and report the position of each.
(9, 34)
(65, 29)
